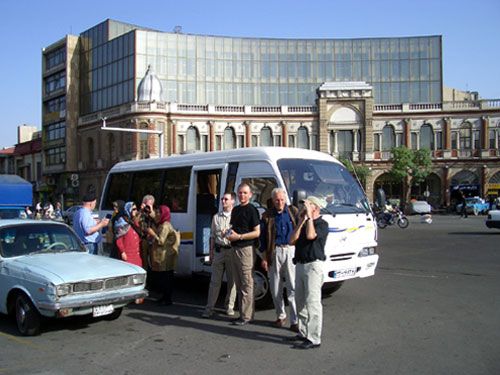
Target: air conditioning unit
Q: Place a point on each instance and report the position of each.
(75, 183)
(74, 177)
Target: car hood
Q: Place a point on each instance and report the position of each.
(75, 266)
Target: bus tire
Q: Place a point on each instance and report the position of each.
(261, 288)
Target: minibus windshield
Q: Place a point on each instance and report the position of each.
(330, 182)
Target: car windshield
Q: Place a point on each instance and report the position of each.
(329, 181)
(27, 239)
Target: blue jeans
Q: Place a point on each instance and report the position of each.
(92, 248)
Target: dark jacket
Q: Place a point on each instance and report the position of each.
(269, 229)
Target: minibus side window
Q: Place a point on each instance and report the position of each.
(262, 188)
(118, 188)
(176, 189)
(146, 182)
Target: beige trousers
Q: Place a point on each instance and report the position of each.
(308, 283)
(222, 262)
(243, 261)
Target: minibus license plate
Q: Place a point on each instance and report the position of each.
(344, 273)
(102, 310)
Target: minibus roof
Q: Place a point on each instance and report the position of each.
(240, 154)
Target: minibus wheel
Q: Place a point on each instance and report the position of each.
(261, 288)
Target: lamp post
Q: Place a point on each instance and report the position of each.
(146, 131)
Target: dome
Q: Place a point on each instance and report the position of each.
(150, 89)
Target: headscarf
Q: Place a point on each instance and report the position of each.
(164, 214)
(128, 209)
(120, 227)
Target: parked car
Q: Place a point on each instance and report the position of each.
(46, 271)
(493, 219)
(69, 213)
(420, 207)
(474, 205)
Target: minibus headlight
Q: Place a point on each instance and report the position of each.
(367, 251)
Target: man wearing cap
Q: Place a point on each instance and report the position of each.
(86, 227)
(309, 239)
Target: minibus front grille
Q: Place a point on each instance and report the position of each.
(339, 257)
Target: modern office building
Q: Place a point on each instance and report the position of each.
(355, 98)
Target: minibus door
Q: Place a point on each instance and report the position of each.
(205, 194)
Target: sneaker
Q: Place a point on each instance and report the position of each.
(306, 345)
(241, 322)
(295, 338)
(230, 312)
(207, 314)
(294, 328)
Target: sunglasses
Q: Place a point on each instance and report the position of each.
(224, 199)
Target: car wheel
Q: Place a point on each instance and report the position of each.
(114, 315)
(261, 288)
(27, 317)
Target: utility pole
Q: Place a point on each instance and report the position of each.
(158, 132)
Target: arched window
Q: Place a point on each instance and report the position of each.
(192, 139)
(266, 136)
(466, 136)
(229, 138)
(90, 152)
(388, 138)
(345, 143)
(303, 137)
(426, 137)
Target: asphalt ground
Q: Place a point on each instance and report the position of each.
(433, 307)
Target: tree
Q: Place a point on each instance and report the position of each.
(361, 171)
(411, 167)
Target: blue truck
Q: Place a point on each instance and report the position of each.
(15, 195)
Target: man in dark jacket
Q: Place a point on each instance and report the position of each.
(279, 223)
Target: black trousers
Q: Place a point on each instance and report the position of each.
(163, 282)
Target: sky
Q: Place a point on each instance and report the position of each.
(471, 53)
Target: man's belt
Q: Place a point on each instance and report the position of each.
(218, 247)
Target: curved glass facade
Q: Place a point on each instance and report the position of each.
(199, 69)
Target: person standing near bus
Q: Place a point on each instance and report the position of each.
(88, 228)
(245, 229)
(220, 257)
(279, 223)
(164, 253)
(309, 239)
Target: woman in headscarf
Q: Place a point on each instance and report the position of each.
(118, 212)
(127, 240)
(164, 252)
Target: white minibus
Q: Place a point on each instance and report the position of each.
(192, 185)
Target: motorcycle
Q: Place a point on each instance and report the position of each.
(385, 219)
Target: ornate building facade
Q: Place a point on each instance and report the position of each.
(351, 98)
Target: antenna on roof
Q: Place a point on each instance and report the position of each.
(178, 29)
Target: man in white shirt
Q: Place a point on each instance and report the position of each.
(220, 257)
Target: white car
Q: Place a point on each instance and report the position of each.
(45, 271)
(493, 220)
(420, 207)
